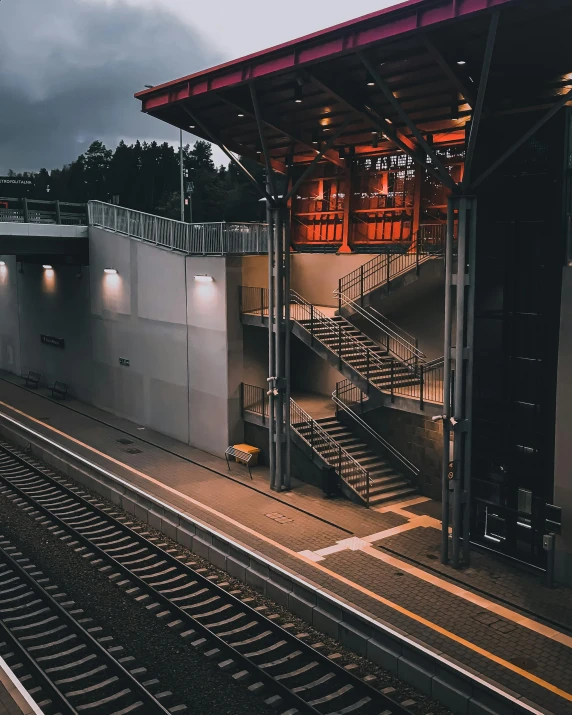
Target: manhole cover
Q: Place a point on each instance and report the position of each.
(523, 662)
(125, 441)
(134, 450)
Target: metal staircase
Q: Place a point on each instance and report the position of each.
(385, 483)
(370, 476)
(353, 349)
(381, 273)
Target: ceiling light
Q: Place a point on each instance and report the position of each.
(47, 267)
(110, 271)
(203, 278)
(298, 94)
(371, 84)
(240, 114)
(192, 126)
(461, 62)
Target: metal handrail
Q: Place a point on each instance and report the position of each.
(345, 341)
(343, 463)
(336, 397)
(415, 354)
(254, 399)
(210, 238)
(384, 267)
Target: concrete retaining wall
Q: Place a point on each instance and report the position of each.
(464, 691)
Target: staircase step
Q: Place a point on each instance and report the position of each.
(390, 496)
(396, 485)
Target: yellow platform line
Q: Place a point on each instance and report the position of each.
(342, 579)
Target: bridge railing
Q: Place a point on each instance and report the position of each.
(40, 211)
(213, 238)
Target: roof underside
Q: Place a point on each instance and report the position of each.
(415, 48)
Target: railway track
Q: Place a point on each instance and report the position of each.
(70, 664)
(289, 673)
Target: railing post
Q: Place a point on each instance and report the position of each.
(312, 434)
(361, 285)
(417, 251)
(312, 322)
(262, 303)
(155, 229)
(392, 379)
(115, 219)
(421, 385)
(339, 295)
(58, 212)
(340, 460)
(367, 368)
(340, 344)
(171, 237)
(25, 209)
(387, 271)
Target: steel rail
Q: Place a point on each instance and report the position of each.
(103, 655)
(369, 700)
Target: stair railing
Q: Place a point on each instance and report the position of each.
(344, 398)
(321, 325)
(397, 345)
(324, 445)
(384, 267)
(254, 399)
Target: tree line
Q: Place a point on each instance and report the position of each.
(145, 176)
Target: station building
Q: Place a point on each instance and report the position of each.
(412, 330)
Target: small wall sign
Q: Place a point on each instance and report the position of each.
(124, 362)
(51, 340)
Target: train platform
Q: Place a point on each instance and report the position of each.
(492, 618)
(14, 699)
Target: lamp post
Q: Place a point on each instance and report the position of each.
(181, 175)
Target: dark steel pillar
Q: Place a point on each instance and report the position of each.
(279, 349)
(449, 258)
(271, 347)
(460, 280)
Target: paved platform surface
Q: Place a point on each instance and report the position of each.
(493, 618)
(13, 698)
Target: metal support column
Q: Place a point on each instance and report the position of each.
(271, 347)
(449, 251)
(458, 377)
(279, 347)
(279, 336)
(287, 337)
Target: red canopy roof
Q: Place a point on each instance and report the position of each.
(314, 85)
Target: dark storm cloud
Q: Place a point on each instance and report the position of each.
(69, 69)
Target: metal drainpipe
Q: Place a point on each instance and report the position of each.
(447, 381)
(459, 392)
(271, 373)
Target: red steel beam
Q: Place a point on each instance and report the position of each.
(347, 37)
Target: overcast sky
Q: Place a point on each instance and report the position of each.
(69, 68)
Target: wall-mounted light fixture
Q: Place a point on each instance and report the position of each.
(110, 271)
(203, 278)
(47, 267)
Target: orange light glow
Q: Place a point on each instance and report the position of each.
(49, 283)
